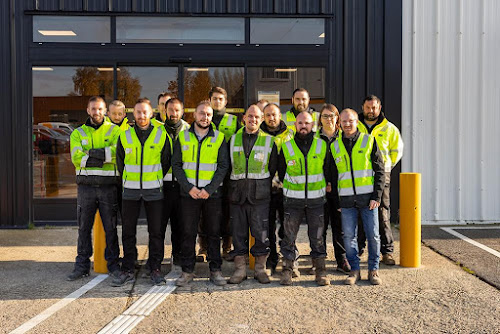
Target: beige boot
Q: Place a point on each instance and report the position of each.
(320, 266)
(373, 277)
(353, 277)
(185, 279)
(286, 273)
(217, 278)
(260, 269)
(295, 269)
(240, 270)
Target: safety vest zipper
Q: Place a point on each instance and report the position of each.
(305, 167)
(198, 160)
(142, 159)
(352, 174)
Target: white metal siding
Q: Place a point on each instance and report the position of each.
(451, 107)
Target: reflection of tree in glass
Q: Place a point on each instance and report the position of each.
(173, 87)
(196, 87)
(231, 79)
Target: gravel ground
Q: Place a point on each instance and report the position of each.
(438, 297)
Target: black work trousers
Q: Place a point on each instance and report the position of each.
(192, 210)
(171, 212)
(90, 199)
(275, 211)
(384, 221)
(332, 218)
(254, 217)
(130, 215)
(315, 226)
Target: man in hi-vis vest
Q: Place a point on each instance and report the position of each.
(254, 159)
(200, 162)
(93, 147)
(301, 168)
(359, 170)
(143, 159)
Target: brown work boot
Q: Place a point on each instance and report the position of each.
(320, 266)
(260, 270)
(387, 259)
(286, 273)
(202, 252)
(240, 270)
(226, 249)
(295, 269)
(217, 278)
(185, 279)
(373, 277)
(353, 277)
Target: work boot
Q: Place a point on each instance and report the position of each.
(260, 270)
(125, 277)
(295, 269)
(77, 274)
(240, 270)
(202, 252)
(353, 277)
(185, 279)
(387, 259)
(157, 277)
(226, 249)
(217, 278)
(343, 266)
(286, 273)
(312, 270)
(373, 277)
(320, 266)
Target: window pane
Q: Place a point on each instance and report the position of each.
(198, 81)
(180, 30)
(277, 85)
(60, 96)
(287, 31)
(71, 29)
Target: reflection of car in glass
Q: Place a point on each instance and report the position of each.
(49, 141)
(58, 125)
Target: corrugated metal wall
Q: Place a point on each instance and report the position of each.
(450, 107)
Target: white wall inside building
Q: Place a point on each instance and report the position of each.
(451, 107)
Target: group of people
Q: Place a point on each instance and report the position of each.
(219, 178)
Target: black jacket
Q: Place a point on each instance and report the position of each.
(281, 128)
(223, 162)
(304, 144)
(332, 196)
(146, 194)
(253, 191)
(363, 200)
(172, 188)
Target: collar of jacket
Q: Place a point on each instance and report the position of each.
(281, 128)
(380, 119)
(89, 123)
(296, 112)
(210, 133)
(354, 138)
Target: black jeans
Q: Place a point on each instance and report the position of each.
(171, 212)
(90, 199)
(384, 221)
(256, 217)
(332, 217)
(192, 210)
(315, 226)
(130, 215)
(275, 211)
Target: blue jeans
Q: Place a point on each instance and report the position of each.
(350, 228)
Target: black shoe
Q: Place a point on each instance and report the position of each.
(157, 277)
(77, 274)
(344, 266)
(361, 251)
(123, 278)
(115, 274)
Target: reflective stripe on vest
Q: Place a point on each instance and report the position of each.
(258, 159)
(362, 171)
(300, 183)
(228, 125)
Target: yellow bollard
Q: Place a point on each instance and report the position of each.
(251, 259)
(100, 264)
(410, 204)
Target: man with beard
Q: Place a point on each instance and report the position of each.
(274, 125)
(162, 109)
(253, 161)
(200, 163)
(301, 168)
(117, 115)
(389, 141)
(93, 153)
(227, 124)
(300, 101)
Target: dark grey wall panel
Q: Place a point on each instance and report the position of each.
(215, 6)
(285, 6)
(237, 6)
(261, 6)
(191, 6)
(48, 5)
(169, 6)
(375, 48)
(96, 5)
(121, 6)
(144, 6)
(308, 7)
(328, 6)
(72, 5)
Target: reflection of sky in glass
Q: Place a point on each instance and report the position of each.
(58, 82)
(154, 80)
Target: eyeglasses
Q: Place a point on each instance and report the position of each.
(326, 116)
